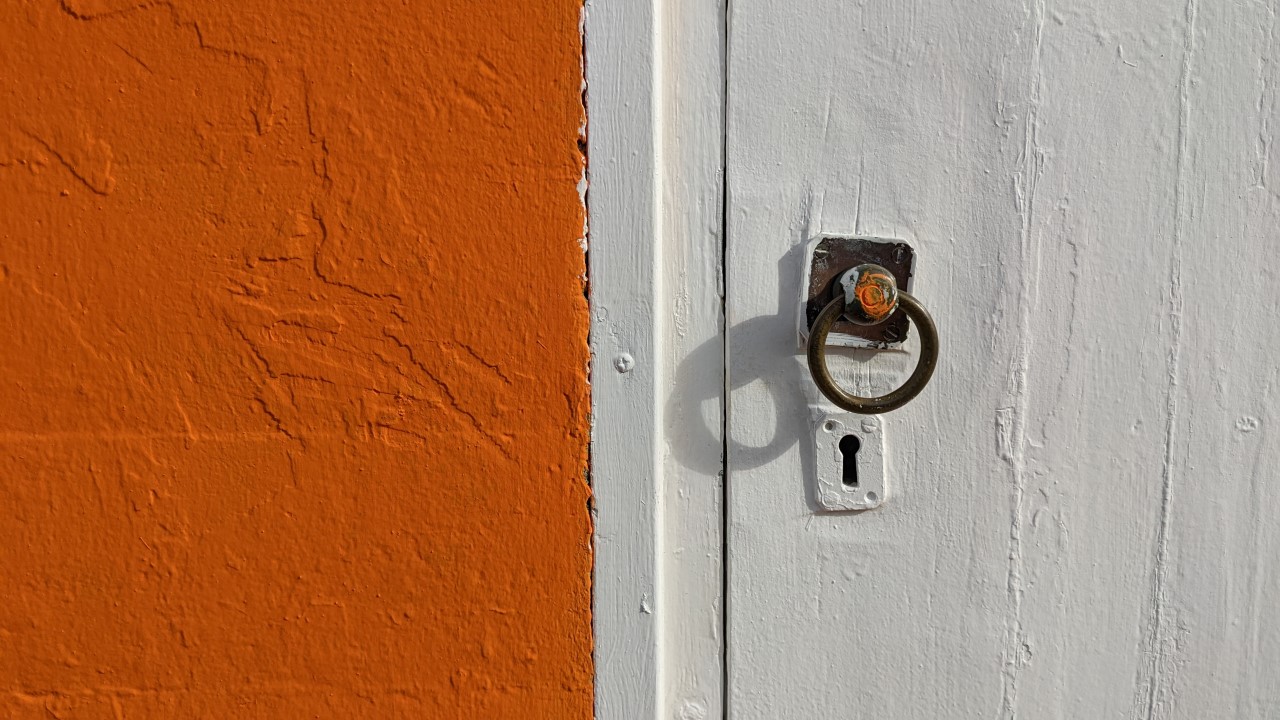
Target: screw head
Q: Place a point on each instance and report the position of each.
(870, 294)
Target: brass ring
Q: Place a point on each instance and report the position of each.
(817, 351)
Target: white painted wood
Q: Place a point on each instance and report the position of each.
(655, 81)
(691, 306)
(1083, 520)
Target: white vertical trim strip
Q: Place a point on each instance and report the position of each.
(691, 136)
(622, 232)
(655, 139)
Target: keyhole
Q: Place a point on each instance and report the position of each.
(849, 445)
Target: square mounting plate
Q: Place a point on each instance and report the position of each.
(826, 258)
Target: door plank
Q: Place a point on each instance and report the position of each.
(1077, 524)
(1212, 630)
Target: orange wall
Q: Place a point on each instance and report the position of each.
(292, 390)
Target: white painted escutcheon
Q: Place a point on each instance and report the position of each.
(833, 493)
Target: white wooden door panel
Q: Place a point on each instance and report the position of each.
(1082, 511)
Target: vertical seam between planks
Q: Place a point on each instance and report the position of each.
(724, 361)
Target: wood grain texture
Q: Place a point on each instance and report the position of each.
(691, 308)
(622, 211)
(1079, 521)
(655, 81)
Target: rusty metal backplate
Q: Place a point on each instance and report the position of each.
(831, 256)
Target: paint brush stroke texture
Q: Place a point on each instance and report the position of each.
(292, 399)
(1081, 517)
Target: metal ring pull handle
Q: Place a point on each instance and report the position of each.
(870, 296)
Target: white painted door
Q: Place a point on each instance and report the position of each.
(1083, 517)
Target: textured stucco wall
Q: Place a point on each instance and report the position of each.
(292, 388)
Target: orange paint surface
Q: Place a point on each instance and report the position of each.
(292, 391)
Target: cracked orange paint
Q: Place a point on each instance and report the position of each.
(292, 398)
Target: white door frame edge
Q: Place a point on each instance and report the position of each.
(655, 129)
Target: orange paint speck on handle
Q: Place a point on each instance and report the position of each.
(293, 409)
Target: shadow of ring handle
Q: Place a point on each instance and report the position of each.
(817, 352)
